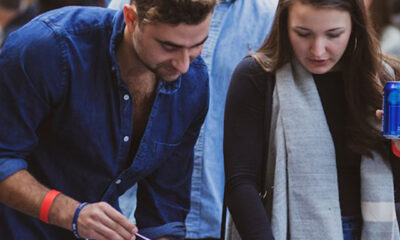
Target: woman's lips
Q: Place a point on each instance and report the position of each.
(318, 62)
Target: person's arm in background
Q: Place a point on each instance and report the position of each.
(31, 84)
(243, 150)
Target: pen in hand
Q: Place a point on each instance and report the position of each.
(142, 237)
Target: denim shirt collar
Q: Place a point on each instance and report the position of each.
(117, 34)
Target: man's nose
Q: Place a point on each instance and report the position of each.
(182, 61)
(318, 47)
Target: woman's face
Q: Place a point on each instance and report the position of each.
(319, 36)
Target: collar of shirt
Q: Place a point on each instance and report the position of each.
(116, 38)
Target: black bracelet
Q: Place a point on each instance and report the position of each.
(75, 219)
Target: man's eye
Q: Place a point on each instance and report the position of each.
(168, 48)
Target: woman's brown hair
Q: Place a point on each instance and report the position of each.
(381, 14)
(362, 65)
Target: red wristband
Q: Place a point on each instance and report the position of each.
(395, 151)
(46, 204)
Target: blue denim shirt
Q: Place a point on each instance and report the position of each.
(66, 117)
(237, 28)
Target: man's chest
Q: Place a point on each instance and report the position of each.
(142, 107)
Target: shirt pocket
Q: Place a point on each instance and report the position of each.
(160, 147)
(161, 152)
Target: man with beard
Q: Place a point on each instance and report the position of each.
(238, 27)
(94, 101)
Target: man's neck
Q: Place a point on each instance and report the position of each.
(6, 16)
(134, 73)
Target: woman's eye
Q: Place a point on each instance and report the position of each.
(336, 35)
(303, 35)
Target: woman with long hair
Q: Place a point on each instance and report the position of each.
(333, 176)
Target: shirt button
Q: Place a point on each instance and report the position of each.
(126, 97)
(118, 181)
(126, 138)
(113, 69)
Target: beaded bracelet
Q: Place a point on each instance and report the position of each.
(75, 219)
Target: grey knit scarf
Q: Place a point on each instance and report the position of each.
(306, 202)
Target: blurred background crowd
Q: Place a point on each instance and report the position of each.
(385, 15)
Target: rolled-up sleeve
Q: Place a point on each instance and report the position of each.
(30, 79)
(10, 166)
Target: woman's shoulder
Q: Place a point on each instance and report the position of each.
(250, 64)
(251, 79)
(249, 67)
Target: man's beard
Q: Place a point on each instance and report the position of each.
(153, 70)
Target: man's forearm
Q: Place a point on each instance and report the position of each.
(22, 192)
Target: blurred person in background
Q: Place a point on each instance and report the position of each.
(14, 14)
(388, 33)
(396, 12)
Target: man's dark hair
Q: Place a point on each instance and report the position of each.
(173, 11)
(10, 4)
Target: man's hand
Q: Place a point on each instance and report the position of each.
(22, 192)
(102, 222)
(379, 114)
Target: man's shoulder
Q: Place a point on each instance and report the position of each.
(54, 29)
(74, 19)
(48, 32)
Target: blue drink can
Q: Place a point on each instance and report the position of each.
(391, 110)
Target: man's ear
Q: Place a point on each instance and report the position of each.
(130, 17)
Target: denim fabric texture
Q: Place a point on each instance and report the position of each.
(67, 118)
(237, 29)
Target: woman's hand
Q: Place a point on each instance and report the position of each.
(396, 142)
